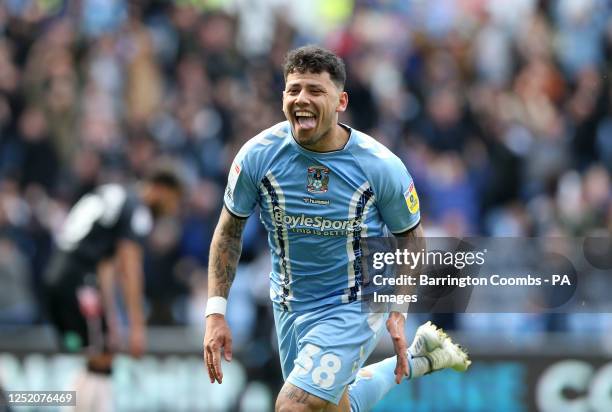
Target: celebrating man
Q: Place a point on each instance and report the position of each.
(322, 188)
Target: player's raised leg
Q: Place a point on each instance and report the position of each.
(431, 350)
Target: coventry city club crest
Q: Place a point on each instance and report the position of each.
(318, 179)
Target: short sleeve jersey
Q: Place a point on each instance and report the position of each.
(317, 208)
(100, 219)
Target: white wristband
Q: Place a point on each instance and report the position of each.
(216, 304)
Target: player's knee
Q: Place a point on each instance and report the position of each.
(286, 405)
(294, 399)
(364, 373)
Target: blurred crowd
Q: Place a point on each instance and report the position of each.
(501, 111)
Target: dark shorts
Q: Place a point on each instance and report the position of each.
(74, 304)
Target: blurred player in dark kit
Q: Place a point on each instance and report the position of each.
(103, 236)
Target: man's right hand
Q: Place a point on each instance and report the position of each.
(218, 336)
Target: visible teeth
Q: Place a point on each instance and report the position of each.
(304, 114)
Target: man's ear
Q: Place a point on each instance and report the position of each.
(342, 102)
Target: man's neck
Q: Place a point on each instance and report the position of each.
(336, 139)
(342, 136)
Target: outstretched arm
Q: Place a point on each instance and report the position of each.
(225, 252)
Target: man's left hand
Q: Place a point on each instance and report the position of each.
(395, 326)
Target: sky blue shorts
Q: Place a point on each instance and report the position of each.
(321, 350)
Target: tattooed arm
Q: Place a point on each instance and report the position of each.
(224, 255)
(225, 251)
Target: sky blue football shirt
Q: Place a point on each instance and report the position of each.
(317, 208)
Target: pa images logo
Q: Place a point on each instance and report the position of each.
(318, 179)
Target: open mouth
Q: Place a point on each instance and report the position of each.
(306, 119)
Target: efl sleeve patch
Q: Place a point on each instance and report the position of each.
(412, 199)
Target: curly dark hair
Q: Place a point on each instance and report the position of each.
(165, 173)
(315, 59)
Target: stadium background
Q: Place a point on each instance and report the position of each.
(501, 111)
